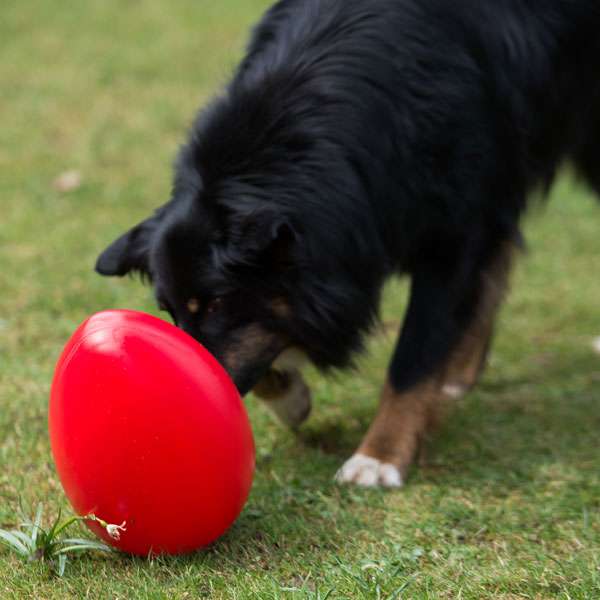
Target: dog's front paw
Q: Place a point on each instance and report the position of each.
(293, 407)
(286, 394)
(367, 471)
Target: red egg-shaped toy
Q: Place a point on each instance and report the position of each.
(147, 428)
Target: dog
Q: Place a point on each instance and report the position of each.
(356, 141)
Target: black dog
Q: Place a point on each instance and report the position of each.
(358, 140)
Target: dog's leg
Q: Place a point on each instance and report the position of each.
(286, 394)
(393, 438)
(284, 391)
(467, 361)
(445, 301)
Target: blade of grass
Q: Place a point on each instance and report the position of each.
(62, 563)
(52, 531)
(67, 523)
(81, 548)
(24, 538)
(93, 544)
(10, 539)
(36, 524)
(349, 572)
(396, 593)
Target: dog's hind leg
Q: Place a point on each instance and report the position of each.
(452, 304)
(467, 361)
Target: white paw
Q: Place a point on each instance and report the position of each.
(369, 472)
(454, 390)
(596, 345)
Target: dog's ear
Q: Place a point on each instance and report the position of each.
(269, 237)
(282, 239)
(130, 251)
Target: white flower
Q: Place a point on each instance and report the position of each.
(115, 530)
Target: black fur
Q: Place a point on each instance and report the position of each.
(362, 139)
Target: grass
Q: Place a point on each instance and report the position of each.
(508, 505)
(32, 542)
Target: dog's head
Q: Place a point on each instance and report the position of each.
(267, 242)
(224, 275)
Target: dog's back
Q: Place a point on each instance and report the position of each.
(503, 90)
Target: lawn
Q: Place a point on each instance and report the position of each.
(508, 502)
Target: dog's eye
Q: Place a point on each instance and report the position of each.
(193, 305)
(214, 305)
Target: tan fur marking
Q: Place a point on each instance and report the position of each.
(252, 342)
(273, 385)
(468, 360)
(281, 308)
(286, 394)
(193, 305)
(396, 433)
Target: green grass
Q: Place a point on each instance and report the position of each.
(508, 503)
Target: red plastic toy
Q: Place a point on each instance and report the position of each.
(146, 428)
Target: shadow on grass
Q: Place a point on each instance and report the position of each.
(508, 430)
(512, 432)
(283, 522)
(527, 429)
